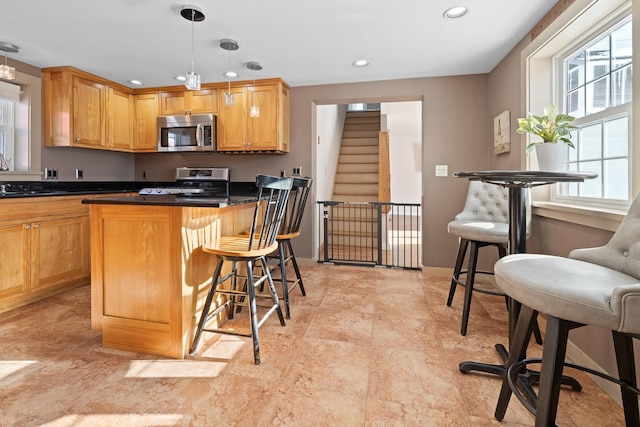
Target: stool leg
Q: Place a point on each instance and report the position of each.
(468, 291)
(627, 373)
(553, 353)
(274, 294)
(296, 268)
(517, 350)
(206, 308)
(253, 313)
(462, 250)
(283, 276)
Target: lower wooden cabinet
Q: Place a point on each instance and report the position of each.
(44, 243)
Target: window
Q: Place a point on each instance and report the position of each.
(596, 88)
(9, 94)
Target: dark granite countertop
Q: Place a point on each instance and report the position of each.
(171, 200)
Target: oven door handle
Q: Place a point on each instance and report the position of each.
(199, 134)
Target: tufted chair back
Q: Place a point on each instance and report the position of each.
(486, 202)
(622, 252)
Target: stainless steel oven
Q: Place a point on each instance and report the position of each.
(194, 132)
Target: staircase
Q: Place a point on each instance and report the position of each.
(356, 177)
(353, 224)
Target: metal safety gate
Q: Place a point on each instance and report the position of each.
(370, 233)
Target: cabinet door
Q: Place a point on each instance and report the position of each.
(146, 109)
(59, 251)
(232, 125)
(203, 101)
(173, 103)
(89, 116)
(14, 268)
(263, 130)
(120, 120)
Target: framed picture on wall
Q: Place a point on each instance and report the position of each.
(501, 133)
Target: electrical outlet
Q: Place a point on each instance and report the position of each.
(296, 171)
(79, 174)
(144, 174)
(50, 173)
(283, 173)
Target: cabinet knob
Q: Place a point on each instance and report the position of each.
(77, 139)
(36, 225)
(27, 226)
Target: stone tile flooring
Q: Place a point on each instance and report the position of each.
(365, 347)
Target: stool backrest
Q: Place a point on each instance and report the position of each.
(485, 202)
(273, 194)
(622, 252)
(295, 206)
(488, 202)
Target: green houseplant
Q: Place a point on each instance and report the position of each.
(551, 127)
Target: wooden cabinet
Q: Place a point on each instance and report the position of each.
(120, 119)
(203, 101)
(146, 109)
(268, 132)
(83, 110)
(45, 246)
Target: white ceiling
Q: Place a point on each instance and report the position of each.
(305, 42)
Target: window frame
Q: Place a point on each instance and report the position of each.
(559, 73)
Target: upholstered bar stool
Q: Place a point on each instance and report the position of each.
(289, 230)
(484, 221)
(251, 249)
(598, 287)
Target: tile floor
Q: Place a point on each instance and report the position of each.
(365, 347)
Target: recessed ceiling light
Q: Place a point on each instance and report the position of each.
(231, 74)
(360, 63)
(456, 12)
(135, 82)
(180, 78)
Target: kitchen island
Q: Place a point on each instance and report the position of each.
(149, 274)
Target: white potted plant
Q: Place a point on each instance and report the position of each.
(555, 131)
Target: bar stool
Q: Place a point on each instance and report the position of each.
(251, 249)
(289, 230)
(596, 286)
(484, 221)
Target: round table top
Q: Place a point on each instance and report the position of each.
(525, 178)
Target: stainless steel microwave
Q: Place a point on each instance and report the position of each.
(194, 132)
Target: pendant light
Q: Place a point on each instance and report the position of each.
(254, 111)
(229, 45)
(193, 14)
(7, 72)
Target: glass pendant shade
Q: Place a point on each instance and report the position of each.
(229, 99)
(193, 81)
(254, 111)
(7, 72)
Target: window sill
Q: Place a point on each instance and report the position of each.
(605, 219)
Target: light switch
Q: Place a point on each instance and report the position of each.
(442, 170)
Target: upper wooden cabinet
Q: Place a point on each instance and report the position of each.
(146, 108)
(267, 132)
(84, 110)
(203, 101)
(120, 115)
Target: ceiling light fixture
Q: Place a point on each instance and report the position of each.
(193, 14)
(229, 45)
(230, 74)
(254, 111)
(135, 82)
(456, 12)
(7, 72)
(180, 78)
(360, 63)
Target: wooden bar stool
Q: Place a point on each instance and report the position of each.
(289, 230)
(251, 249)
